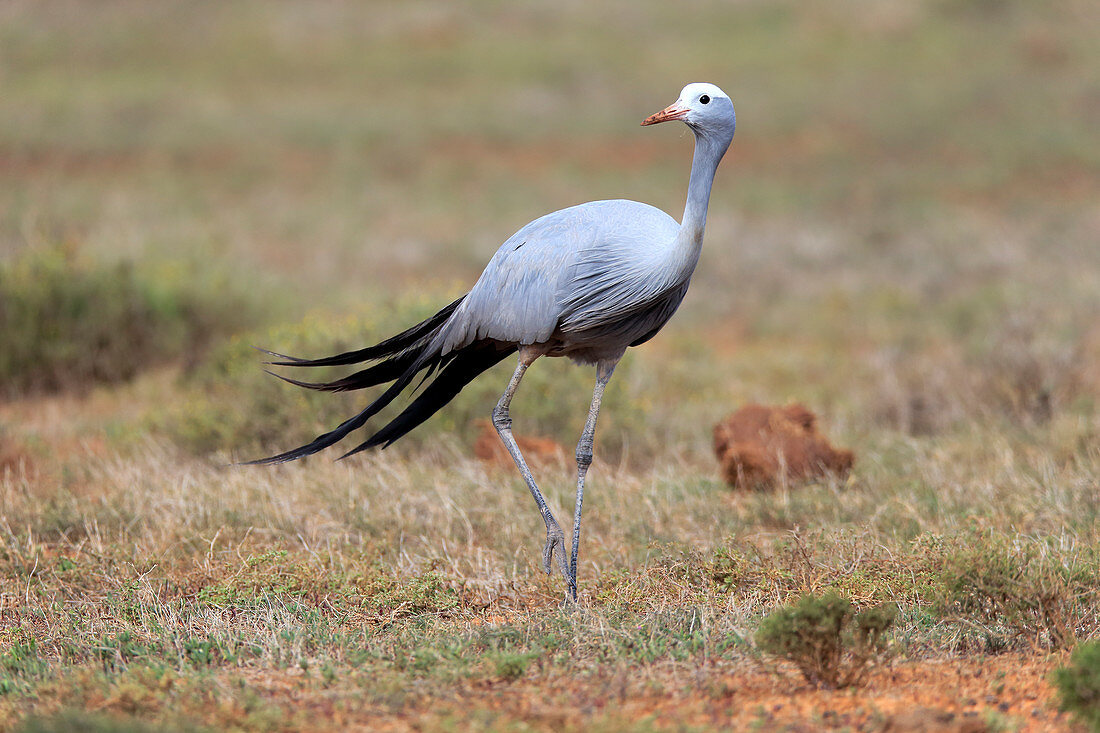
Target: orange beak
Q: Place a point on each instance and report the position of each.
(672, 112)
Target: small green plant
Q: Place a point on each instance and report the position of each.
(20, 663)
(207, 652)
(1078, 684)
(831, 644)
(729, 569)
(427, 592)
(115, 652)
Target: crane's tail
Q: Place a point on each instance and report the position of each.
(409, 353)
(380, 373)
(410, 339)
(341, 431)
(460, 371)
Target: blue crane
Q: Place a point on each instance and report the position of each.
(586, 282)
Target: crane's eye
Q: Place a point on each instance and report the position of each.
(704, 99)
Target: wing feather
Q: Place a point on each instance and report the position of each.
(569, 271)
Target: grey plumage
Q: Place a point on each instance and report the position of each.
(585, 282)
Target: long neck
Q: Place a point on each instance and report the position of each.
(708, 153)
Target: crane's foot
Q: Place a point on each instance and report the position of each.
(555, 544)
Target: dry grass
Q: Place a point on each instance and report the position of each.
(138, 575)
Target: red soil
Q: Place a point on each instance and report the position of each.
(759, 446)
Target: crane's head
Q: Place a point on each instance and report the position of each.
(704, 108)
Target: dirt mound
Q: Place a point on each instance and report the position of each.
(759, 446)
(536, 450)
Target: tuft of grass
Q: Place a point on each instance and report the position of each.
(20, 663)
(1078, 684)
(831, 644)
(512, 666)
(1022, 587)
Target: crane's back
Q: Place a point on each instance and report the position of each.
(568, 272)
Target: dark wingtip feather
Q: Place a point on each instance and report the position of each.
(286, 457)
(372, 442)
(315, 446)
(409, 355)
(357, 449)
(386, 371)
(297, 382)
(286, 360)
(412, 338)
(461, 370)
(340, 432)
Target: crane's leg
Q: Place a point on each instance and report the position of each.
(604, 369)
(555, 538)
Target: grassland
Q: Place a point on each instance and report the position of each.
(903, 237)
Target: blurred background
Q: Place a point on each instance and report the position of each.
(905, 234)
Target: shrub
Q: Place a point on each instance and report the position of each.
(69, 322)
(831, 644)
(1078, 684)
(511, 666)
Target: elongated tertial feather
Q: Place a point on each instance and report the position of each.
(407, 339)
(380, 373)
(463, 368)
(341, 431)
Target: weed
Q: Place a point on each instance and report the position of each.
(675, 635)
(730, 569)
(20, 663)
(1078, 684)
(118, 651)
(397, 597)
(831, 645)
(207, 652)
